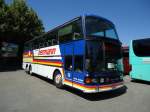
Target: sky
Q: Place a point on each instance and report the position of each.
(131, 17)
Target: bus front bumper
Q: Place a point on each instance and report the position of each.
(103, 88)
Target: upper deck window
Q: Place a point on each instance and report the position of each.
(71, 31)
(100, 28)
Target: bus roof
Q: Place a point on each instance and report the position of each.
(102, 18)
(142, 39)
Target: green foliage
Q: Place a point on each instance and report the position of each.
(3, 16)
(2, 3)
(19, 22)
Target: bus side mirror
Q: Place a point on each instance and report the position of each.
(76, 36)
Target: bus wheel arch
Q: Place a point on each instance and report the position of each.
(58, 79)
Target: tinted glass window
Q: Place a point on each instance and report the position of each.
(141, 47)
(78, 61)
(100, 27)
(8, 49)
(72, 31)
(94, 56)
(68, 62)
(35, 44)
(112, 50)
(52, 38)
(77, 30)
(100, 53)
(110, 33)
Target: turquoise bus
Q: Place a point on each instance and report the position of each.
(139, 56)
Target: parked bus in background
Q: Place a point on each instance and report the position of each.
(139, 55)
(8, 55)
(84, 53)
(126, 66)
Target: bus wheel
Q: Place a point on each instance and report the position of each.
(26, 69)
(58, 80)
(30, 70)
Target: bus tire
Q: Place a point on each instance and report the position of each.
(30, 70)
(58, 80)
(26, 69)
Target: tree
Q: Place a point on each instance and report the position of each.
(18, 23)
(24, 23)
(2, 3)
(3, 16)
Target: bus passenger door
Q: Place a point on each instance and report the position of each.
(73, 65)
(78, 59)
(78, 76)
(68, 63)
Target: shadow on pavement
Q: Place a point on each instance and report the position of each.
(9, 68)
(9, 64)
(43, 78)
(90, 96)
(140, 82)
(98, 96)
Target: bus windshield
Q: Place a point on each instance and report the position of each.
(94, 56)
(100, 28)
(100, 53)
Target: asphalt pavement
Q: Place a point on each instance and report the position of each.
(20, 92)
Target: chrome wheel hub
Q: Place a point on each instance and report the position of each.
(58, 78)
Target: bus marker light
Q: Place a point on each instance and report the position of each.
(88, 80)
(102, 80)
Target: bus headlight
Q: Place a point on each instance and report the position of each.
(88, 80)
(94, 80)
(121, 77)
(101, 80)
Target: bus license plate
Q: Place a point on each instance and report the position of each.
(110, 65)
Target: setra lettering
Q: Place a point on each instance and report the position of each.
(47, 51)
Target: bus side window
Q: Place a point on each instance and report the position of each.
(76, 36)
(77, 30)
(68, 63)
(78, 63)
(35, 45)
(49, 42)
(71, 31)
(54, 42)
(41, 45)
(65, 33)
(45, 44)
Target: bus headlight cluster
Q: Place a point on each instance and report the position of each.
(95, 80)
(121, 77)
(98, 80)
(101, 80)
(89, 80)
